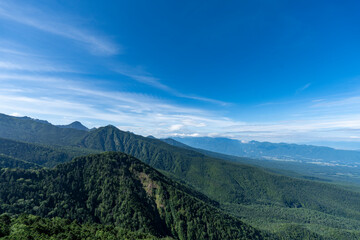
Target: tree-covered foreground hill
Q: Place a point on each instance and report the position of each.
(117, 189)
(9, 162)
(34, 227)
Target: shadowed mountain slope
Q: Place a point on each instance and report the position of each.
(9, 162)
(114, 188)
(31, 130)
(46, 156)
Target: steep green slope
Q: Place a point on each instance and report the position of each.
(45, 156)
(34, 227)
(9, 162)
(300, 221)
(152, 151)
(226, 181)
(114, 188)
(236, 185)
(36, 131)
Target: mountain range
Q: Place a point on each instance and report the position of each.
(275, 151)
(320, 162)
(252, 201)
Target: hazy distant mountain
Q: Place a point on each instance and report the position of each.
(75, 125)
(152, 137)
(327, 173)
(276, 151)
(344, 145)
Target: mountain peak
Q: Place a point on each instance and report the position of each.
(75, 125)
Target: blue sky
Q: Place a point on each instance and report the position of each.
(281, 71)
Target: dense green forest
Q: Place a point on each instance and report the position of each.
(9, 162)
(273, 203)
(35, 227)
(114, 188)
(47, 156)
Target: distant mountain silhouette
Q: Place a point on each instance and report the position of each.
(75, 125)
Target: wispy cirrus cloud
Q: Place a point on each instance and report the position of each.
(303, 88)
(97, 44)
(32, 66)
(36, 18)
(17, 58)
(62, 100)
(349, 101)
(28, 87)
(140, 75)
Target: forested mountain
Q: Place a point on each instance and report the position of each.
(37, 131)
(206, 173)
(74, 125)
(9, 162)
(35, 227)
(46, 156)
(269, 201)
(238, 185)
(115, 188)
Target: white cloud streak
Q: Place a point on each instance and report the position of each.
(139, 75)
(303, 88)
(35, 18)
(17, 59)
(351, 101)
(62, 100)
(99, 45)
(32, 66)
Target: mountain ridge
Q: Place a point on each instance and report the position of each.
(37, 131)
(74, 125)
(115, 188)
(275, 151)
